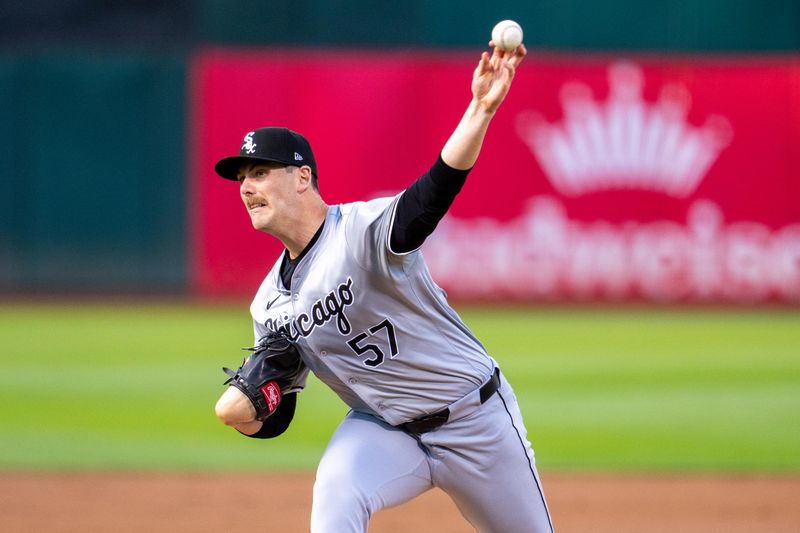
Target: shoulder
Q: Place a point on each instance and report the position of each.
(368, 209)
(366, 227)
(363, 215)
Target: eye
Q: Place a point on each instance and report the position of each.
(261, 172)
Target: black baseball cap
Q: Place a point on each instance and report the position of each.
(277, 145)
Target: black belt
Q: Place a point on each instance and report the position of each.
(431, 422)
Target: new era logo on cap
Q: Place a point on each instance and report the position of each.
(298, 157)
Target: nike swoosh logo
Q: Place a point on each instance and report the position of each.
(272, 302)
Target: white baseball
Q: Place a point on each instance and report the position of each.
(507, 35)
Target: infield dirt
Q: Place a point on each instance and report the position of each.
(169, 502)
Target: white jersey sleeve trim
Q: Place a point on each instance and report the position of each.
(391, 227)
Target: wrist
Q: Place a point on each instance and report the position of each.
(478, 110)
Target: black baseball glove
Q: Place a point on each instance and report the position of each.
(267, 372)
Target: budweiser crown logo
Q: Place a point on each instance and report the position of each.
(626, 142)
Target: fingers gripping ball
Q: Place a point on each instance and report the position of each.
(507, 35)
(266, 374)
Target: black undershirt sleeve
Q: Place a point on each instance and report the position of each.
(278, 421)
(423, 204)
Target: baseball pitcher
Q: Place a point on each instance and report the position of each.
(351, 299)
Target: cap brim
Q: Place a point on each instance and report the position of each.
(228, 167)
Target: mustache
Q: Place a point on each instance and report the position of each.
(251, 201)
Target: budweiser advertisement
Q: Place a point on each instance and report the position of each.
(663, 179)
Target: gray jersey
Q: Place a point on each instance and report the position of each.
(370, 323)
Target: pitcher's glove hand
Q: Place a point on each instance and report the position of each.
(267, 372)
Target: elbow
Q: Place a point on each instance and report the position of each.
(233, 408)
(224, 412)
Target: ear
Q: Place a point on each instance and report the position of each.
(304, 178)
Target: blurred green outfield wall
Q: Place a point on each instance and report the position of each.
(92, 166)
(92, 125)
(687, 25)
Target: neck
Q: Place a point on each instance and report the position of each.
(302, 231)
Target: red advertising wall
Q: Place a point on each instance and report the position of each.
(645, 178)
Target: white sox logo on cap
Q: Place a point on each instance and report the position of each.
(248, 145)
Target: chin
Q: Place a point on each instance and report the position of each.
(260, 225)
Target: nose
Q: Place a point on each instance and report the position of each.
(246, 186)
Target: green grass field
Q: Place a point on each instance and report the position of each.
(132, 386)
